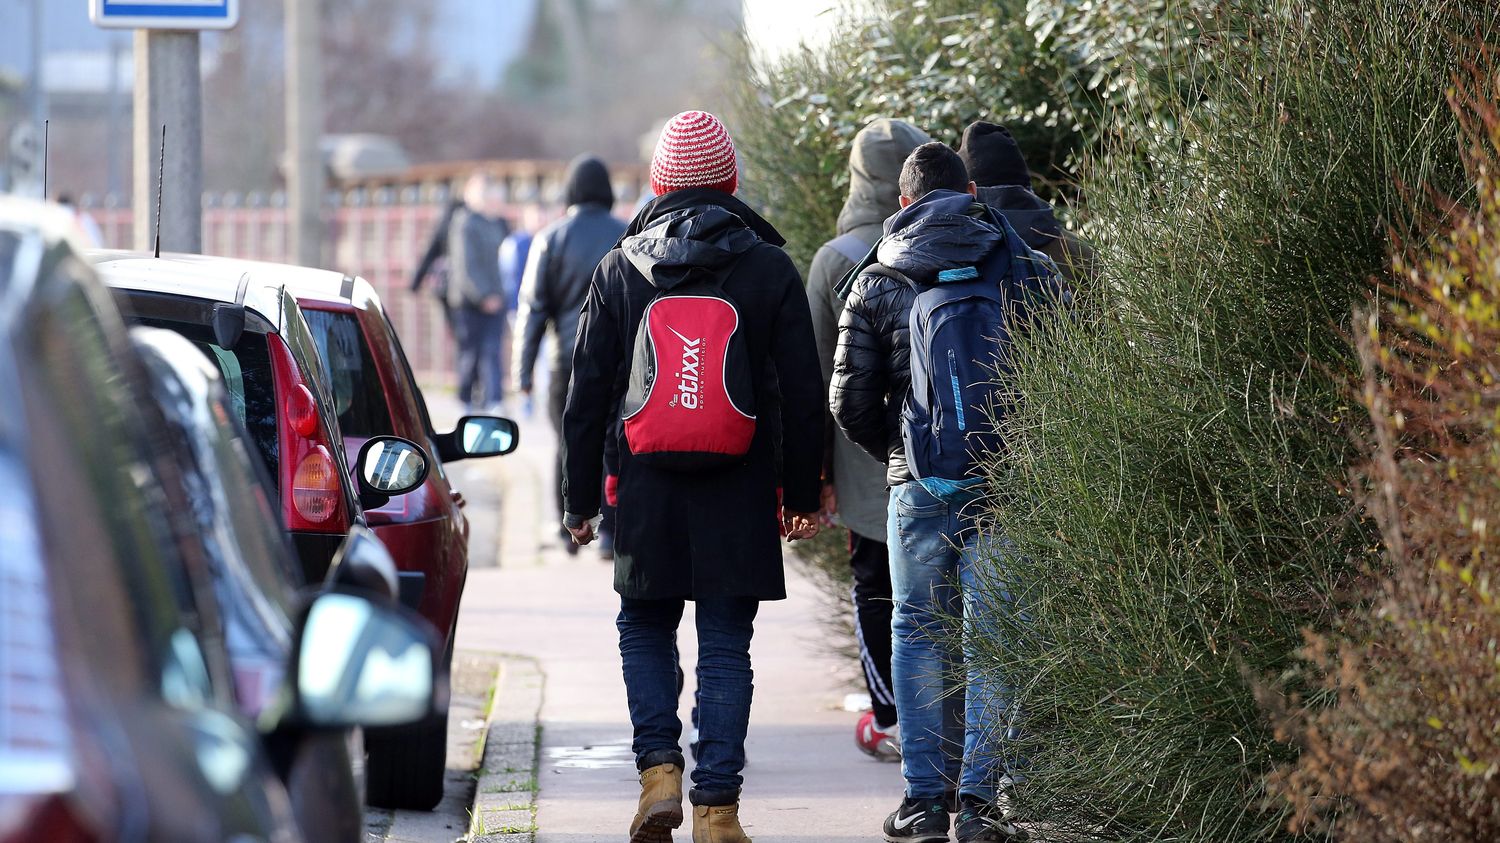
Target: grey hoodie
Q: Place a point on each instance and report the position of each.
(875, 160)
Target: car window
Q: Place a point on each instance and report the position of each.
(248, 380)
(126, 490)
(358, 397)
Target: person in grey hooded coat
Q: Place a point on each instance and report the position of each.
(854, 484)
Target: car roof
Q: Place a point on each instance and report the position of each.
(334, 288)
(213, 278)
(39, 228)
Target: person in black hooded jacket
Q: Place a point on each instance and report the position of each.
(562, 259)
(941, 226)
(710, 536)
(999, 171)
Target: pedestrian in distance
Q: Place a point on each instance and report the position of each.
(924, 330)
(854, 483)
(697, 328)
(469, 238)
(998, 169)
(559, 266)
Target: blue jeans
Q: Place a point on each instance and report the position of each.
(480, 338)
(943, 700)
(648, 651)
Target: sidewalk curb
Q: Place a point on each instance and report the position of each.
(505, 796)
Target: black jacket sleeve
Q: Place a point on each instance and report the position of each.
(861, 373)
(800, 381)
(596, 358)
(437, 247)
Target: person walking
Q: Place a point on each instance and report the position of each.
(854, 484)
(559, 265)
(941, 235)
(469, 237)
(998, 169)
(696, 327)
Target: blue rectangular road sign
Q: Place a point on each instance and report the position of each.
(165, 14)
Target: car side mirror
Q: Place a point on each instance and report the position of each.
(361, 664)
(480, 436)
(364, 564)
(388, 466)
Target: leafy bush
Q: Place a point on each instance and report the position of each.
(1411, 751)
(940, 64)
(1173, 486)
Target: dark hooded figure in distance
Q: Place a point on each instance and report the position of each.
(727, 376)
(561, 261)
(999, 171)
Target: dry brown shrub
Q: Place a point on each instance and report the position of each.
(1409, 746)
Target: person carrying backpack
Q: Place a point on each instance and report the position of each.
(854, 488)
(922, 337)
(697, 330)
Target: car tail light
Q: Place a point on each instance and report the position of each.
(302, 411)
(312, 492)
(43, 816)
(315, 486)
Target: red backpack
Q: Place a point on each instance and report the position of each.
(690, 404)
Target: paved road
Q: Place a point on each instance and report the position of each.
(806, 781)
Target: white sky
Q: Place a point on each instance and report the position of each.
(776, 26)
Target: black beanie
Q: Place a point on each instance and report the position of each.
(588, 183)
(992, 156)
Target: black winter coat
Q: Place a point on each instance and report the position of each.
(872, 363)
(712, 533)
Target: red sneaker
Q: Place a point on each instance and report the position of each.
(882, 746)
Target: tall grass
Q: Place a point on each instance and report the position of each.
(1175, 480)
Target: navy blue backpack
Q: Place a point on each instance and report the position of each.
(961, 332)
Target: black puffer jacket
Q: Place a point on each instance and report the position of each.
(871, 366)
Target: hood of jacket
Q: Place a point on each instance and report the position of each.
(1029, 214)
(875, 160)
(693, 234)
(588, 183)
(942, 230)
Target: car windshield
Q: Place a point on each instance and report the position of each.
(358, 396)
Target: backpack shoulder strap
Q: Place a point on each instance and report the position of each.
(850, 246)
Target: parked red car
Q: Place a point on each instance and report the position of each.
(376, 394)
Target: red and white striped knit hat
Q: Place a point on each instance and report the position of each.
(694, 150)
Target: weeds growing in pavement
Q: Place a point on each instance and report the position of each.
(1175, 484)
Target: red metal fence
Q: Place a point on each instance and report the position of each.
(379, 231)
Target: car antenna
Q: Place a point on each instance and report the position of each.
(46, 137)
(161, 175)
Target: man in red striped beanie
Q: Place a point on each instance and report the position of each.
(695, 355)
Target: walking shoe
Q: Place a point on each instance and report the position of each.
(660, 808)
(606, 547)
(918, 821)
(718, 824)
(985, 822)
(880, 744)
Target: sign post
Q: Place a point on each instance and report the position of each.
(168, 92)
(165, 14)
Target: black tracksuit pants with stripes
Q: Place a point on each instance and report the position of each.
(872, 621)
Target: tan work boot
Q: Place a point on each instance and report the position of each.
(719, 824)
(661, 805)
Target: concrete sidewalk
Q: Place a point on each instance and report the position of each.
(806, 780)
